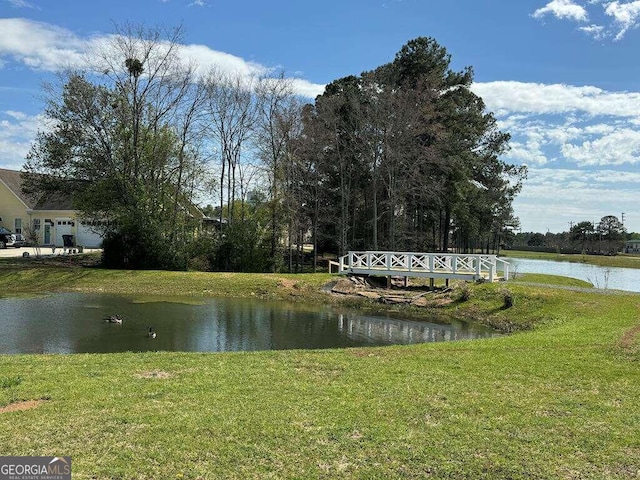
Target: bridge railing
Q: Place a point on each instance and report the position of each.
(405, 263)
(505, 267)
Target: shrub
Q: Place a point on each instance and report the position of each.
(507, 298)
(199, 263)
(463, 292)
(142, 245)
(242, 249)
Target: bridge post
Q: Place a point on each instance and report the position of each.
(492, 268)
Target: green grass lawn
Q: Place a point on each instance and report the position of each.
(558, 399)
(549, 280)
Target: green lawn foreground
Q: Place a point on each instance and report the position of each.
(559, 399)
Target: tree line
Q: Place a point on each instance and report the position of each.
(403, 157)
(605, 237)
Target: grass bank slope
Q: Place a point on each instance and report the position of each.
(559, 400)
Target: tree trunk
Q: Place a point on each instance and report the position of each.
(446, 226)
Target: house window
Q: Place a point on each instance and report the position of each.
(18, 225)
(36, 224)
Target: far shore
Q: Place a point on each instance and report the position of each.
(621, 260)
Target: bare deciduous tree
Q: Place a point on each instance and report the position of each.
(125, 143)
(278, 123)
(232, 115)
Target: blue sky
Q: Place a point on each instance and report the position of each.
(562, 76)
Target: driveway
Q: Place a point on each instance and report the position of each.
(19, 252)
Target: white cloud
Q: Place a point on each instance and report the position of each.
(17, 131)
(615, 148)
(563, 9)
(595, 31)
(20, 4)
(16, 115)
(566, 125)
(552, 177)
(306, 88)
(625, 15)
(560, 134)
(206, 58)
(552, 197)
(585, 145)
(528, 154)
(39, 45)
(536, 98)
(42, 46)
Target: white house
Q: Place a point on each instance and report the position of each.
(632, 246)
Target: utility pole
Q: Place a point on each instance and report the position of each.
(570, 225)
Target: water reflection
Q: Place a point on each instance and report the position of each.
(600, 277)
(73, 323)
(390, 331)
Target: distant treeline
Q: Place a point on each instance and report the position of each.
(606, 237)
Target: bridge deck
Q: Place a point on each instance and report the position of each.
(426, 265)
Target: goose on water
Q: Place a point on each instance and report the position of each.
(151, 333)
(113, 319)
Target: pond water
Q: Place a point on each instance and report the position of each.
(74, 323)
(601, 277)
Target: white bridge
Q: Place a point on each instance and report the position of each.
(429, 265)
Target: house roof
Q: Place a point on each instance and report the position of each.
(56, 201)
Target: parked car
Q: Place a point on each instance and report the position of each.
(21, 240)
(7, 238)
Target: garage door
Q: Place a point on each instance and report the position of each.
(87, 237)
(63, 226)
